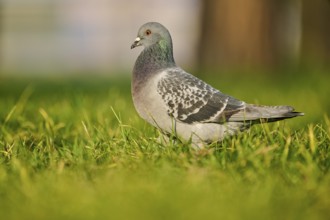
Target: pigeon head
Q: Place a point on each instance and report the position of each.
(152, 33)
(158, 51)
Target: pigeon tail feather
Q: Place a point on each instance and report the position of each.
(261, 113)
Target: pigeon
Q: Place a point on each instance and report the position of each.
(182, 106)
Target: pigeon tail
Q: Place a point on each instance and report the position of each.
(261, 113)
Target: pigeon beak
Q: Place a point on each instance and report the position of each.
(136, 43)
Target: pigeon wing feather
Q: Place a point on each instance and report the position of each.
(191, 100)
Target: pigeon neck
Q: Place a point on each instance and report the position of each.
(153, 59)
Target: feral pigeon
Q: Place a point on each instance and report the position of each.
(182, 105)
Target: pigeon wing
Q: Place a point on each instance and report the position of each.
(191, 100)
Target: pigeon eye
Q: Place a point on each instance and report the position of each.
(148, 32)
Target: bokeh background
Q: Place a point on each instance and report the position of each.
(66, 37)
(73, 147)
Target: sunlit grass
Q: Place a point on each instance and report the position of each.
(76, 149)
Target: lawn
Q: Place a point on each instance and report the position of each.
(76, 149)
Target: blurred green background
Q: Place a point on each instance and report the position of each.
(73, 147)
(226, 42)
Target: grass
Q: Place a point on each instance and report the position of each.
(76, 149)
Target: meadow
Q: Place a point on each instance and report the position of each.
(74, 148)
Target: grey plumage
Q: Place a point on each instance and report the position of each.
(177, 102)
